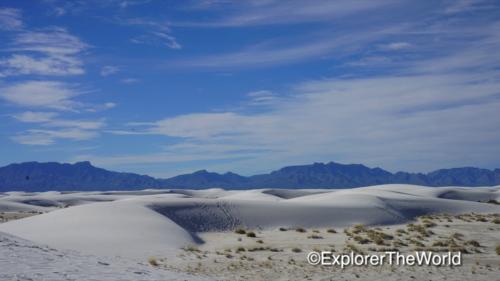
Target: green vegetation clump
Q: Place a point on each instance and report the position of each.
(497, 249)
(296, 250)
(283, 229)
(251, 234)
(331, 230)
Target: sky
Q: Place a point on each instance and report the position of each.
(171, 87)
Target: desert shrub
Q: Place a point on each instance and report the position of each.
(251, 234)
(428, 223)
(315, 236)
(496, 221)
(398, 243)
(361, 240)
(472, 243)
(331, 230)
(240, 249)
(152, 261)
(481, 219)
(300, 229)
(457, 235)
(255, 249)
(418, 228)
(440, 243)
(260, 241)
(416, 243)
(283, 229)
(400, 232)
(497, 249)
(296, 250)
(358, 228)
(351, 247)
(240, 231)
(493, 201)
(378, 237)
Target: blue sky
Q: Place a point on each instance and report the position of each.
(170, 87)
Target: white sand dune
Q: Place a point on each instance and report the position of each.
(24, 260)
(151, 222)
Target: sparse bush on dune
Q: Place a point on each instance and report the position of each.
(351, 247)
(493, 201)
(331, 230)
(240, 231)
(400, 232)
(296, 250)
(153, 261)
(300, 229)
(315, 236)
(496, 221)
(473, 243)
(358, 228)
(457, 236)
(421, 229)
(283, 229)
(497, 249)
(428, 223)
(361, 240)
(191, 248)
(251, 234)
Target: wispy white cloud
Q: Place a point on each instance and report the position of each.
(47, 66)
(41, 94)
(252, 13)
(129, 80)
(109, 70)
(52, 128)
(153, 32)
(396, 46)
(461, 6)
(48, 137)
(10, 19)
(35, 116)
(52, 51)
(270, 53)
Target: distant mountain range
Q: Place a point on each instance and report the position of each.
(82, 176)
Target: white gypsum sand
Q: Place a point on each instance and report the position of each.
(140, 224)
